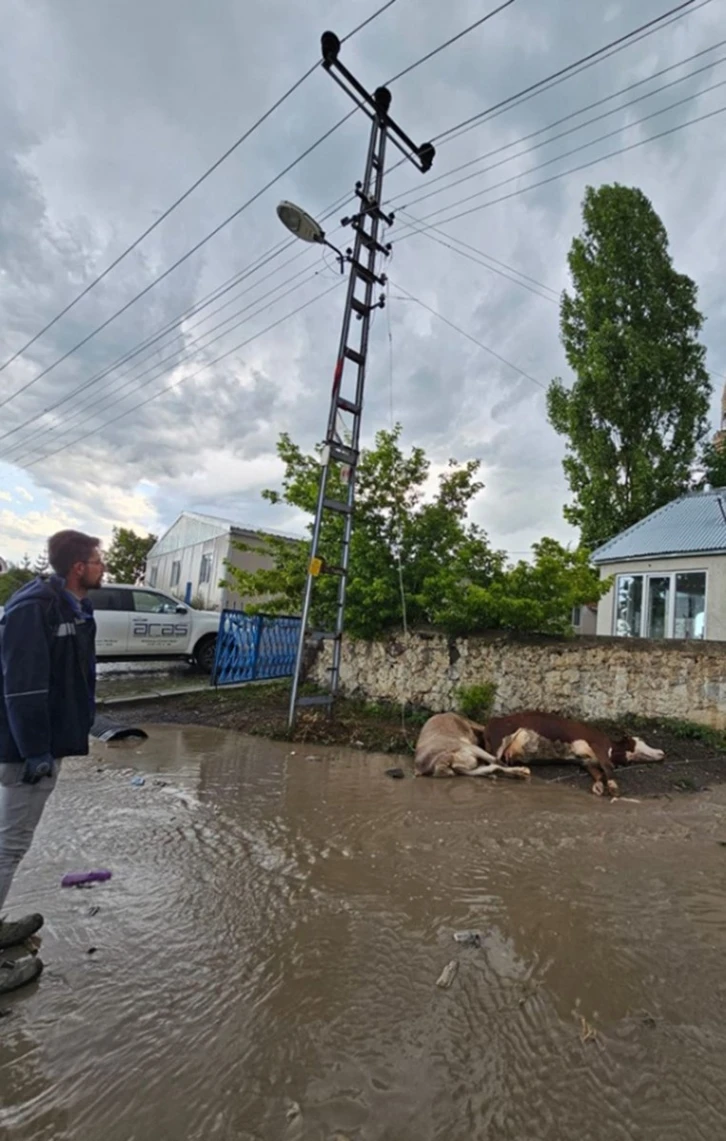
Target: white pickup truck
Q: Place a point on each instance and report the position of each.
(137, 622)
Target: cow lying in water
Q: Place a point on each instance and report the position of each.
(450, 745)
(535, 736)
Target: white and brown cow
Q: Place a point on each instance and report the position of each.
(450, 745)
(537, 736)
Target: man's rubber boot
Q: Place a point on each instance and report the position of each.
(11, 934)
(19, 973)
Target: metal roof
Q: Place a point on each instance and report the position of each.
(192, 527)
(692, 525)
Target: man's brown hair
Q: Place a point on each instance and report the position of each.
(68, 547)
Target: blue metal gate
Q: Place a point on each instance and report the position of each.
(251, 647)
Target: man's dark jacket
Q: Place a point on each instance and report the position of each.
(48, 672)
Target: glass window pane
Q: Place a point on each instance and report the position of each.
(659, 590)
(628, 605)
(147, 603)
(690, 616)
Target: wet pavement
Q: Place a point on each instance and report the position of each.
(267, 951)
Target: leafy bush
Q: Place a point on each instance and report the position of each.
(476, 701)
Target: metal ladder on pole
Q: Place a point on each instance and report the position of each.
(351, 361)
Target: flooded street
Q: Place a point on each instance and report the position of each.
(266, 955)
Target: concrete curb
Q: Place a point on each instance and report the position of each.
(163, 694)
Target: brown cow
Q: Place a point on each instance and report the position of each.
(450, 745)
(533, 735)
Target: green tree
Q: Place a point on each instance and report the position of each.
(712, 465)
(14, 578)
(636, 413)
(40, 566)
(536, 597)
(427, 550)
(126, 558)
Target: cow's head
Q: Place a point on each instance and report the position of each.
(632, 750)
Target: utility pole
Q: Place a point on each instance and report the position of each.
(353, 349)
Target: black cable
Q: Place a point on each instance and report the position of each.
(572, 170)
(426, 231)
(533, 88)
(177, 321)
(68, 425)
(178, 262)
(458, 36)
(565, 119)
(210, 170)
(469, 337)
(226, 221)
(209, 364)
(183, 351)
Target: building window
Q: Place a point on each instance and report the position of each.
(661, 605)
(205, 569)
(152, 575)
(576, 615)
(175, 573)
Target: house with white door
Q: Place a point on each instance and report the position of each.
(189, 558)
(669, 572)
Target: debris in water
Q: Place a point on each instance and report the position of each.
(91, 950)
(138, 782)
(395, 774)
(313, 757)
(293, 1111)
(160, 783)
(79, 879)
(588, 1033)
(93, 910)
(448, 974)
(468, 938)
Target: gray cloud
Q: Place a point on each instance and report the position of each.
(108, 113)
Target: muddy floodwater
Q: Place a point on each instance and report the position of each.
(267, 951)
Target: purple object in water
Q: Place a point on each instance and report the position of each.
(74, 879)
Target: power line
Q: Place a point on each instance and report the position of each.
(563, 173)
(575, 68)
(190, 190)
(227, 220)
(426, 231)
(448, 43)
(68, 425)
(176, 383)
(178, 262)
(469, 337)
(570, 130)
(564, 72)
(183, 352)
(176, 322)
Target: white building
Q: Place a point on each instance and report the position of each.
(193, 551)
(669, 572)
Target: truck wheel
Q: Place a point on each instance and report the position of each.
(204, 653)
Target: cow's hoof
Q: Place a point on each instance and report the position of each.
(613, 788)
(598, 788)
(522, 772)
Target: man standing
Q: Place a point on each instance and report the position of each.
(47, 708)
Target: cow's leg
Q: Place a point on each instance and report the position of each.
(602, 773)
(468, 758)
(493, 770)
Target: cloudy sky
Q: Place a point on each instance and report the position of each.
(108, 112)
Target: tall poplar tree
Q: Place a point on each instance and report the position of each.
(636, 415)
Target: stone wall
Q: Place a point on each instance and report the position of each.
(586, 677)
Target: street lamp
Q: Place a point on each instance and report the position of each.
(300, 223)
